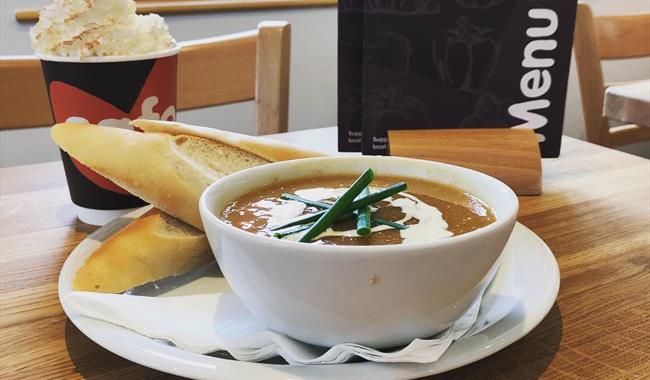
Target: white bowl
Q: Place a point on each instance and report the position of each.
(322, 294)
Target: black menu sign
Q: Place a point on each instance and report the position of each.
(452, 64)
(350, 58)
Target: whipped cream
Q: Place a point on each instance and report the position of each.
(97, 28)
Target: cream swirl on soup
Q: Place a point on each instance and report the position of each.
(429, 210)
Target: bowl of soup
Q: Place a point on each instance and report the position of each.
(431, 249)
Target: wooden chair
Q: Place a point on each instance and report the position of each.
(607, 38)
(251, 65)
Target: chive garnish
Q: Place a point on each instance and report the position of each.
(363, 217)
(361, 202)
(309, 218)
(308, 202)
(290, 231)
(385, 222)
(339, 207)
(324, 206)
(377, 196)
(295, 229)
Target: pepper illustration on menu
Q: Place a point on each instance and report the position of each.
(389, 108)
(491, 112)
(478, 4)
(465, 56)
(402, 7)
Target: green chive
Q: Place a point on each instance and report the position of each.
(339, 207)
(290, 231)
(377, 196)
(385, 222)
(325, 206)
(365, 201)
(363, 217)
(295, 229)
(308, 202)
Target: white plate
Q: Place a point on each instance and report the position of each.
(528, 272)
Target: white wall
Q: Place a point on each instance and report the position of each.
(313, 72)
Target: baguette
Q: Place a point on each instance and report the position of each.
(169, 166)
(269, 150)
(171, 163)
(152, 247)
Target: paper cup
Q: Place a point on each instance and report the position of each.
(108, 91)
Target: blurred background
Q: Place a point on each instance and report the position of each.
(313, 71)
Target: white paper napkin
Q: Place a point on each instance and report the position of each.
(211, 322)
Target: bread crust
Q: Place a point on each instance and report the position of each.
(270, 150)
(147, 249)
(151, 166)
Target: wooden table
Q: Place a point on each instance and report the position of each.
(629, 103)
(594, 214)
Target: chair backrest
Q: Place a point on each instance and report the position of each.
(607, 38)
(251, 65)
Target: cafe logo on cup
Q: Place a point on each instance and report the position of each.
(146, 112)
(111, 95)
(117, 106)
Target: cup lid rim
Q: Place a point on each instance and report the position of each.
(112, 58)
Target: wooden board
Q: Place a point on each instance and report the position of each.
(594, 215)
(511, 155)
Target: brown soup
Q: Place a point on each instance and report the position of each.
(430, 210)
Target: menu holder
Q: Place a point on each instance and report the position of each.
(511, 155)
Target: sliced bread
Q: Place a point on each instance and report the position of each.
(170, 164)
(151, 247)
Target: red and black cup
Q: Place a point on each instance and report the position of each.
(110, 92)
